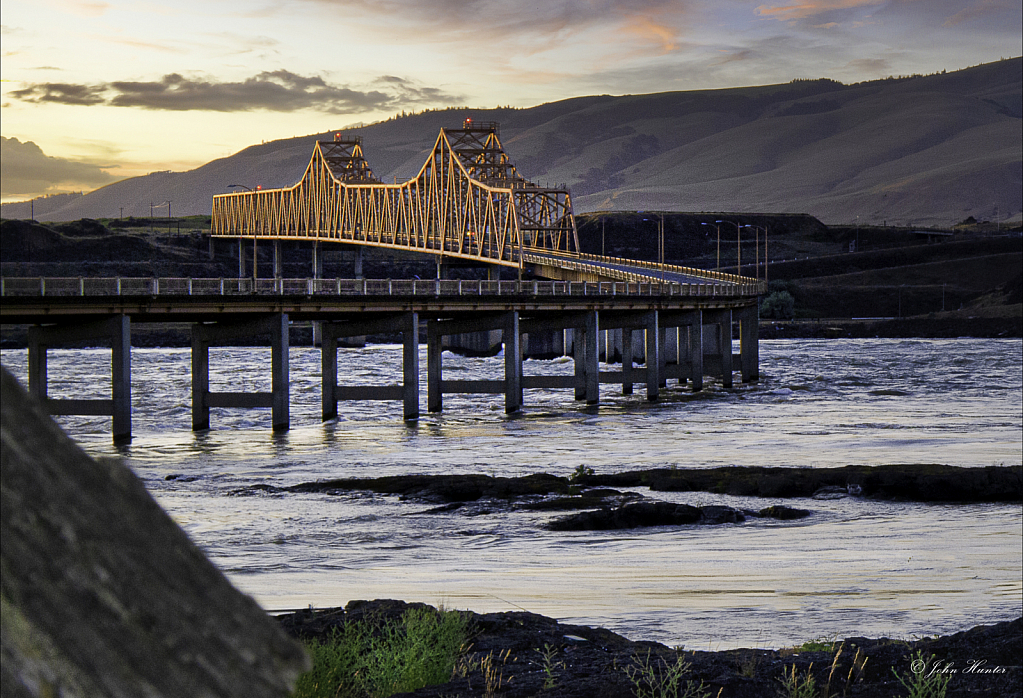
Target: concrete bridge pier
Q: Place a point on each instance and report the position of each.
(653, 356)
(627, 360)
(241, 258)
(222, 333)
(718, 344)
(587, 361)
(543, 344)
(749, 343)
(116, 330)
(511, 334)
(408, 392)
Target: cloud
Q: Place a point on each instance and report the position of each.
(279, 91)
(810, 8)
(976, 10)
(83, 8)
(25, 170)
(508, 19)
(871, 66)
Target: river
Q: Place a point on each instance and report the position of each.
(854, 567)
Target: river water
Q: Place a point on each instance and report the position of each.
(854, 567)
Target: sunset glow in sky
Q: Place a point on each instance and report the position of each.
(95, 91)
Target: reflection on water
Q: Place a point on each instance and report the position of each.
(853, 568)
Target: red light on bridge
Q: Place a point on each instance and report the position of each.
(259, 187)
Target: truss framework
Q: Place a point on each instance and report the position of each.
(467, 201)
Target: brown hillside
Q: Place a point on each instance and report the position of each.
(923, 150)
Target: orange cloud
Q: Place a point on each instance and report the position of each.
(977, 9)
(810, 8)
(653, 32)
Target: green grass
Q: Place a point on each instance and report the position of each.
(658, 679)
(925, 679)
(374, 660)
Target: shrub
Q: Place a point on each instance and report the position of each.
(378, 660)
(779, 305)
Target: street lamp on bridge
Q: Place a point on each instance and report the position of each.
(758, 228)
(717, 267)
(738, 246)
(239, 185)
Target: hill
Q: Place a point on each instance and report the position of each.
(922, 150)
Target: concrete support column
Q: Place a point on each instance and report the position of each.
(410, 365)
(696, 350)
(653, 356)
(512, 364)
(626, 361)
(591, 360)
(722, 320)
(277, 259)
(328, 372)
(255, 261)
(662, 357)
(579, 357)
(280, 385)
(120, 376)
(211, 249)
(749, 343)
(358, 262)
(493, 272)
(241, 258)
(434, 367)
(200, 378)
(37, 378)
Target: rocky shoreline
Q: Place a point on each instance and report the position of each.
(538, 656)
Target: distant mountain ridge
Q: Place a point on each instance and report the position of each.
(924, 150)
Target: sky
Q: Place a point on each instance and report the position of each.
(98, 90)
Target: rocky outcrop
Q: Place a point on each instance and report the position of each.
(103, 594)
(538, 656)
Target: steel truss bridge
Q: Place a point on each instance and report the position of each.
(467, 202)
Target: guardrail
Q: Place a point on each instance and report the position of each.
(670, 268)
(62, 287)
(595, 264)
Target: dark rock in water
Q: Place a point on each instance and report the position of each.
(444, 488)
(591, 499)
(629, 516)
(444, 509)
(920, 482)
(779, 511)
(831, 492)
(719, 515)
(103, 594)
(583, 662)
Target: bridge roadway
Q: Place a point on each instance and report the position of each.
(684, 332)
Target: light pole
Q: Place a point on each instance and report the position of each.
(239, 185)
(758, 228)
(717, 267)
(738, 246)
(660, 228)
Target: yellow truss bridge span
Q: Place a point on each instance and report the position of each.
(467, 202)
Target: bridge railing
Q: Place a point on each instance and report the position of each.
(671, 268)
(56, 287)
